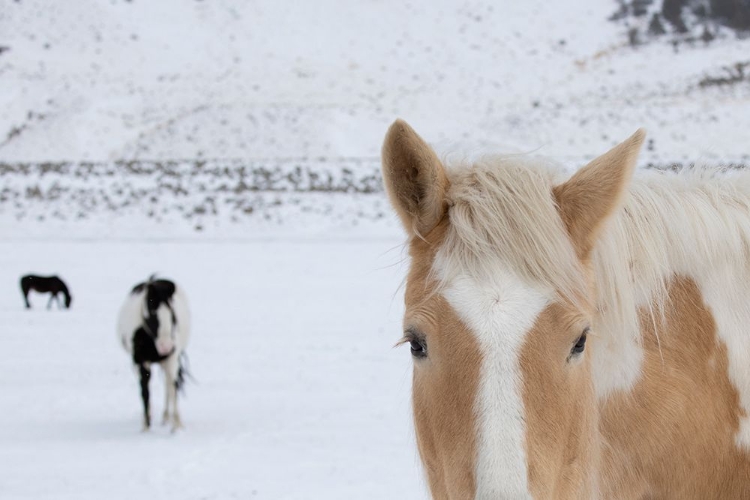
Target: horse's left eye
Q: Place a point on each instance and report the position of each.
(580, 344)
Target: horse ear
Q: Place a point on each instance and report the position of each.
(414, 178)
(588, 198)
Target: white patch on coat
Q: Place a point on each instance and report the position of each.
(616, 362)
(129, 319)
(726, 293)
(499, 310)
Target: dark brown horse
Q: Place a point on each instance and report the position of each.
(45, 284)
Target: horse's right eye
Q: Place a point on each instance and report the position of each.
(418, 349)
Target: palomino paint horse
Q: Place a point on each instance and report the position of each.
(581, 338)
(45, 284)
(154, 327)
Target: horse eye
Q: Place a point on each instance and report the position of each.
(418, 350)
(580, 344)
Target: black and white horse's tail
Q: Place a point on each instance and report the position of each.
(183, 372)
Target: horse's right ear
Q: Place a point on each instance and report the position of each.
(414, 178)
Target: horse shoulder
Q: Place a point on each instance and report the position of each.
(129, 318)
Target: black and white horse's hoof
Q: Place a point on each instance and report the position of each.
(176, 424)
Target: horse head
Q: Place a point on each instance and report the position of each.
(159, 317)
(498, 314)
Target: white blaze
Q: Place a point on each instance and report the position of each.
(499, 310)
(164, 341)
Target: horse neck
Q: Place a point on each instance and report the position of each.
(671, 227)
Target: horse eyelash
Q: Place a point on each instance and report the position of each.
(404, 340)
(410, 335)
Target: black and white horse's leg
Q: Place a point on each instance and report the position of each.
(49, 303)
(167, 394)
(144, 371)
(171, 367)
(26, 299)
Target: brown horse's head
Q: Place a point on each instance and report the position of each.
(498, 313)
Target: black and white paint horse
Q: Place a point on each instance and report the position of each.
(45, 284)
(154, 327)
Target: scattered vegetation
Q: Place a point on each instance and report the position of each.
(730, 75)
(185, 189)
(683, 21)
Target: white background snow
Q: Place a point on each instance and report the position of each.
(298, 394)
(295, 293)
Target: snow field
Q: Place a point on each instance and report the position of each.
(298, 395)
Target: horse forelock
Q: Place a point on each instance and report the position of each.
(502, 211)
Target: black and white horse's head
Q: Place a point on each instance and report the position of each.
(159, 320)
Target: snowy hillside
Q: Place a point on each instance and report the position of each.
(313, 85)
(110, 80)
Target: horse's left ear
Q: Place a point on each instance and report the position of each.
(587, 199)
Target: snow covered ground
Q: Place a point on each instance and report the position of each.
(299, 394)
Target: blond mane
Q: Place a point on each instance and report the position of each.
(502, 207)
(685, 223)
